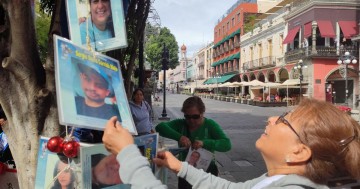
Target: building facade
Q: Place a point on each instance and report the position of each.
(319, 32)
(227, 32)
(262, 49)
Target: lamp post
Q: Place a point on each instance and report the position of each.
(216, 80)
(346, 59)
(195, 86)
(165, 62)
(299, 66)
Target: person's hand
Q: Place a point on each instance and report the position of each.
(185, 142)
(197, 144)
(168, 160)
(115, 137)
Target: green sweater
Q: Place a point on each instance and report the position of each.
(210, 133)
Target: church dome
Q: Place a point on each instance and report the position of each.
(183, 47)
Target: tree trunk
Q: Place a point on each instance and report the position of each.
(27, 92)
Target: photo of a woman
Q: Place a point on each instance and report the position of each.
(66, 178)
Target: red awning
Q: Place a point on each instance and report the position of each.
(349, 28)
(326, 28)
(291, 35)
(307, 30)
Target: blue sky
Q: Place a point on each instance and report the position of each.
(192, 21)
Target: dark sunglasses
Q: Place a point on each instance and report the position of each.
(195, 116)
(282, 119)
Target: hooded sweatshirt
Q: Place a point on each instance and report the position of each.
(135, 170)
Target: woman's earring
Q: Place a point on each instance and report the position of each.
(287, 159)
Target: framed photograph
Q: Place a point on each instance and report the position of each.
(51, 165)
(100, 168)
(148, 145)
(90, 88)
(199, 158)
(100, 23)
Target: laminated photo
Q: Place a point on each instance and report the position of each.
(90, 88)
(51, 171)
(99, 23)
(199, 158)
(100, 169)
(148, 145)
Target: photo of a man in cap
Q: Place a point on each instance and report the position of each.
(96, 86)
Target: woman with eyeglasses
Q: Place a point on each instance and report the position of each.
(196, 131)
(302, 149)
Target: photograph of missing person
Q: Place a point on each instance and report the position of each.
(148, 145)
(55, 171)
(65, 177)
(100, 168)
(99, 26)
(104, 170)
(199, 158)
(97, 22)
(95, 86)
(89, 88)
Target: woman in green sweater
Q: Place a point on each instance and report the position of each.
(195, 131)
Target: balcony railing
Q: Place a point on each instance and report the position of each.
(237, 44)
(265, 62)
(268, 61)
(201, 64)
(321, 51)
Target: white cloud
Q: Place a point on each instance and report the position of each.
(192, 22)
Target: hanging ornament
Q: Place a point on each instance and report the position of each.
(55, 144)
(71, 148)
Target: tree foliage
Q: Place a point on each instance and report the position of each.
(42, 25)
(154, 48)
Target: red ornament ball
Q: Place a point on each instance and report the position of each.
(71, 149)
(55, 144)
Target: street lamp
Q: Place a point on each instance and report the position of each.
(299, 66)
(195, 86)
(346, 59)
(164, 62)
(216, 80)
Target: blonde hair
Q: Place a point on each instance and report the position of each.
(333, 137)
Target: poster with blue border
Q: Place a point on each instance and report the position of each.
(100, 169)
(103, 22)
(50, 164)
(90, 88)
(148, 145)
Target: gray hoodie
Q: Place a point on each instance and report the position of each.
(135, 170)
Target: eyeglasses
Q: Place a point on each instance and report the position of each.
(195, 116)
(282, 119)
